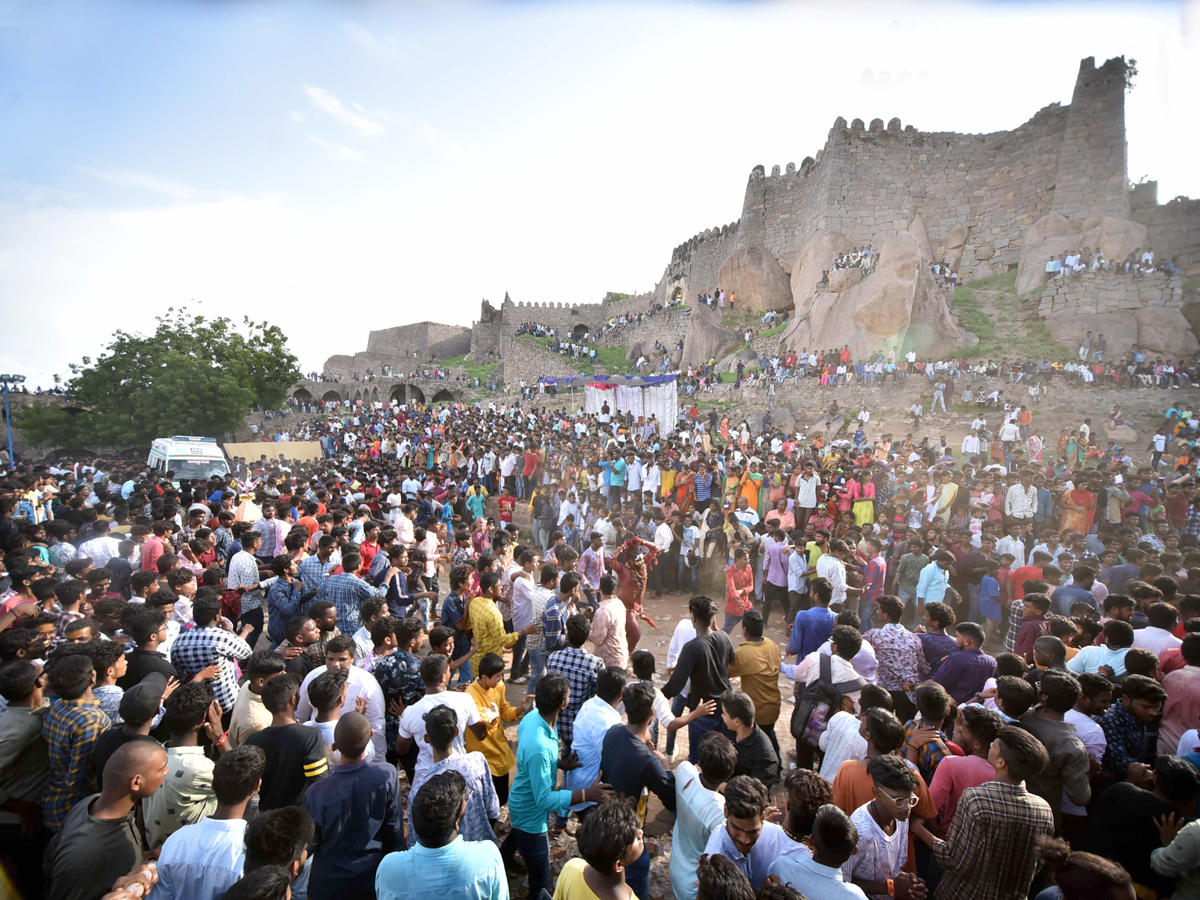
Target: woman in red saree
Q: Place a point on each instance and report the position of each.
(1078, 508)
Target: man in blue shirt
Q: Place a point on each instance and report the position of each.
(442, 866)
(357, 813)
(813, 626)
(632, 765)
(964, 672)
(534, 794)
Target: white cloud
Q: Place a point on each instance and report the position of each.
(297, 117)
(326, 102)
(440, 141)
(337, 151)
(386, 49)
(127, 178)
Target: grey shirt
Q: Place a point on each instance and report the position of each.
(1068, 767)
(89, 854)
(24, 763)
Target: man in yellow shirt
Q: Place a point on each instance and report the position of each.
(487, 690)
(487, 625)
(757, 661)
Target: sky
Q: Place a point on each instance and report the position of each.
(335, 168)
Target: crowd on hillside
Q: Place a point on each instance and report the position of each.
(1139, 263)
(296, 681)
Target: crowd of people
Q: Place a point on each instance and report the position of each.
(296, 680)
(1139, 263)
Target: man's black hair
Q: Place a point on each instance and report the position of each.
(610, 683)
(237, 773)
(606, 834)
(277, 837)
(552, 692)
(437, 808)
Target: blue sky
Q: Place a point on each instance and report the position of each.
(338, 167)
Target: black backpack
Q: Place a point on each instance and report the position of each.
(817, 701)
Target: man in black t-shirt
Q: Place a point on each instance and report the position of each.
(704, 661)
(295, 753)
(147, 626)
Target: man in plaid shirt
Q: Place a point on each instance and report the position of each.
(581, 669)
(71, 726)
(210, 644)
(347, 591)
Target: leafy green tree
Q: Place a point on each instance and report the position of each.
(193, 375)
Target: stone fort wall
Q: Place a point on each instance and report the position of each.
(870, 180)
(1172, 229)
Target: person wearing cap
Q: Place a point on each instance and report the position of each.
(141, 710)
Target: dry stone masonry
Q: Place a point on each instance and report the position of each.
(981, 203)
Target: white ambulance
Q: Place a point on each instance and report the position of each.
(188, 457)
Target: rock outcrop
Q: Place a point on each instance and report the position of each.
(843, 279)
(814, 259)
(707, 337)
(1055, 234)
(757, 278)
(897, 307)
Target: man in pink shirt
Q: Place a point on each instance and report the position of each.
(974, 731)
(156, 545)
(1182, 709)
(608, 626)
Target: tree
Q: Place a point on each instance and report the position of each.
(192, 376)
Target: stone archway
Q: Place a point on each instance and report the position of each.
(677, 294)
(302, 395)
(415, 394)
(579, 331)
(331, 397)
(443, 396)
(398, 395)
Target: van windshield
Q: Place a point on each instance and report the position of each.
(194, 469)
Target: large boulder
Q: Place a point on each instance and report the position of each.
(782, 420)
(747, 357)
(706, 337)
(952, 247)
(814, 259)
(1120, 329)
(756, 277)
(1163, 331)
(1056, 234)
(635, 350)
(1122, 434)
(917, 229)
(900, 306)
(843, 279)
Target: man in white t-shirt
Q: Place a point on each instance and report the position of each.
(435, 673)
(699, 809)
(339, 654)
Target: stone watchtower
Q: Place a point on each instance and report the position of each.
(1091, 176)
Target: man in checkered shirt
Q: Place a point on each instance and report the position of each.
(581, 669)
(210, 644)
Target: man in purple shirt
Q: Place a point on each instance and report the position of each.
(775, 574)
(591, 566)
(964, 672)
(814, 626)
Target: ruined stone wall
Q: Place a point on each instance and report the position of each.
(1092, 162)
(528, 360)
(695, 263)
(427, 339)
(666, 326)
(1172, 229)
(870, 181)
(1144, 312)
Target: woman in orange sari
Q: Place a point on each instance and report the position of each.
(1078, 508)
